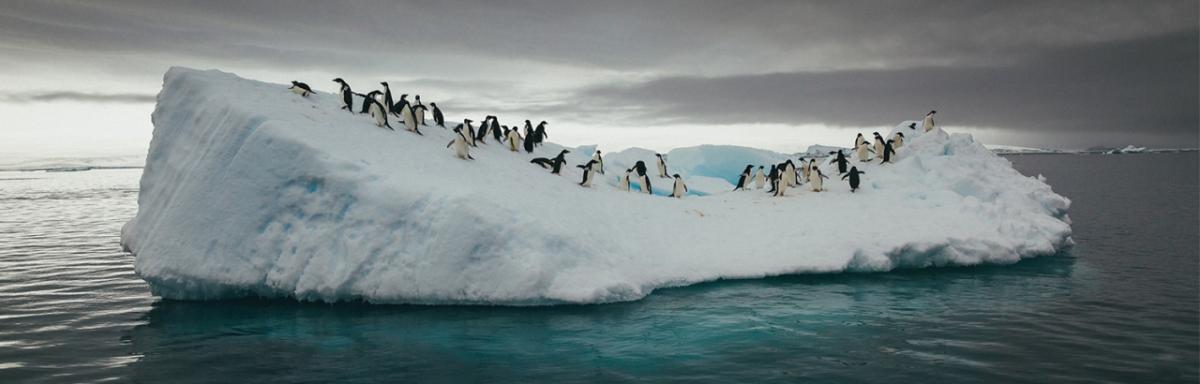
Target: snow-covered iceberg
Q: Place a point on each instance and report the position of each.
(250, 190)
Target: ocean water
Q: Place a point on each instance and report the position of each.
(1122, 306)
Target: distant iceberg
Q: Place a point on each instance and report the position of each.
(250, 190)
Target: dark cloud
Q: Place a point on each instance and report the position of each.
(52, 96)
(1144, 85)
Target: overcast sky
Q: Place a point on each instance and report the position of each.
(79, 77)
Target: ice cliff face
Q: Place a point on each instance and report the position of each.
(250, 190)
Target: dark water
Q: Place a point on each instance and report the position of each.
(1122, 306)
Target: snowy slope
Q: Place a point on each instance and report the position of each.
(251, 190)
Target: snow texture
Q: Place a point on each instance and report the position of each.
(250, 190)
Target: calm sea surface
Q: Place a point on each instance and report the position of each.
(1122, 306)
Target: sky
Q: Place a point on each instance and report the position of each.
(79, 78)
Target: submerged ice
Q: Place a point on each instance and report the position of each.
(250, 190)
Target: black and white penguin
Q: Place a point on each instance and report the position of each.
(744, 180)
(878, 145)
(862, 150)
(460, 145)
(469, 130)
(804, 169)
(376, 109)
(899, 140)
(599, 162)
(788, 174)
(527, 143)
(679, 189)
(555, 164)
(540, 133)
(419, 109)
(859, 140)
(398, 107)
(662, 166)
(495, 128)
(387, 96)
(512, 138)
(840, 160)
(781, 185)
(623, 182)
(912, 126)
(410, 119)
(854, 180)
(816, 181)
(366, 105)
(437, 116)
(773, 178)
(889, 153)
(928, 123)
(347, 95)
(643, 177)
(528, 130)
(759, 178)
(589, 173)
(482, 134)
(300, 89)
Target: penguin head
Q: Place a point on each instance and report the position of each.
(418, 97)
(458, 129)
(912, 126)
(402, 96)
(760, 167)
(339, 81)
(932, 112)
(433, 104)
(658, 155)
(901, 134)
(675, 175)
(468, 121)
(383, 83)
(294, 82)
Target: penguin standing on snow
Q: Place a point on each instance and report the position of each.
(862, 150)
(599, 162)
(589, 173)
(759, 178)
(888, 152)
(854, 180)
(460, 145)
(878, 145)
(420, 110)
(347, 95)
(816, 179)
(437, 116)
(928, 123)
(398, 108)
(773, 178)
(367, 98)
(643, 177)
(623, 183)
(387, 96)
(804, 169)
(744, 180)
(528, 131)
(513, 138)
(899, 140)
(378, 112)
(859, 140)
(469, 130)
(482, 134)
(679, 189)
(840, 160)
(527, 143)
(781, 185)
(662, 166)
(540, 133)
(300, 89)
(788, 174)
(410, 120)
(495, 128)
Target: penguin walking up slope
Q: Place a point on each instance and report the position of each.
(437, 116)
(540, 133)
(854, 179)
(599, 161)
(367, 98)
(643, 177)
(398, 107)
(300, 89)
(840, 160)
(347, 95)
(662, 166)
(589, 173)
(482, 134)
(759, 178)
(410, 120)
(378, 112)
(469, 130)
(460, 145)
(928, 122)
(555, 164)
(744, 180)
(816, 182)
(679, 189)
(888, 153)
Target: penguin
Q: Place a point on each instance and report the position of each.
(378, 112)
(469, 130)
(863, 148)
(513, 138)
(540, 133)
(528, 130)
(410, 121)
(888, 153)
(599, 162)
(781, 185)
(662, 166)
(643, 177)
(789, 173)
(899, 139)
(623, 183)
(773, 178)
(460, 145)
(912, 126)
(347, 95)
(840, 159)
(854, 179)
(804, 169)
(366, 105)
(589, 173)
(398, 107)
(878, 145)
(928, 123)
(816, 182)
(387, 96)
(437, 116)
(744, 180)
(300, 89)
(482, 134)
(495, 128)
(679, 189)
(420, 110)
(555, 164)
(759, 178)
(527, 143)
(859, 140)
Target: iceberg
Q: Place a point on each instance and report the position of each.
(250, 190)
